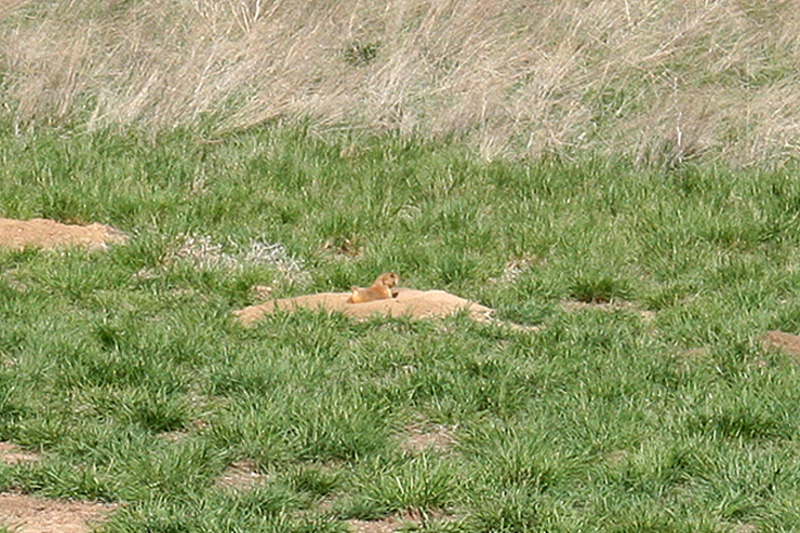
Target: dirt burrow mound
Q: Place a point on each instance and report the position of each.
(409, 302)
(44, 233)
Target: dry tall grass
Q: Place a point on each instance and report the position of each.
(662, 79)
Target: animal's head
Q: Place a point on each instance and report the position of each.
(389, 279)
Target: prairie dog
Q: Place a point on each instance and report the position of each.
(380, 290)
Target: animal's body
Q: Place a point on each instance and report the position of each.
(380, 290)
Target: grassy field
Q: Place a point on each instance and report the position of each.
(644, 402)
(622, 175)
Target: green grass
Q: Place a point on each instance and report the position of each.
(600, 420)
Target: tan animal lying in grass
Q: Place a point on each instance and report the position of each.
(380, 290)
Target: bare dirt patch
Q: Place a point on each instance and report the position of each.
(409, 302)
(780, 340)
(43, 233)
(30, 514)
(386, 525)
(241, 475)
(180, 434)
(12, 454)
(422, 436)
(393, 523)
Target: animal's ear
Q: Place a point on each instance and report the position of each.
(395, 293)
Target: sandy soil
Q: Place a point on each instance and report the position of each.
(43, 233)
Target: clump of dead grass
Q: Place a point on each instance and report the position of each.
(203, 252)
(654, 79)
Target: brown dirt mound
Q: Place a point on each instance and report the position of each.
(409, 302)
(43, 233)
(29, 514)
